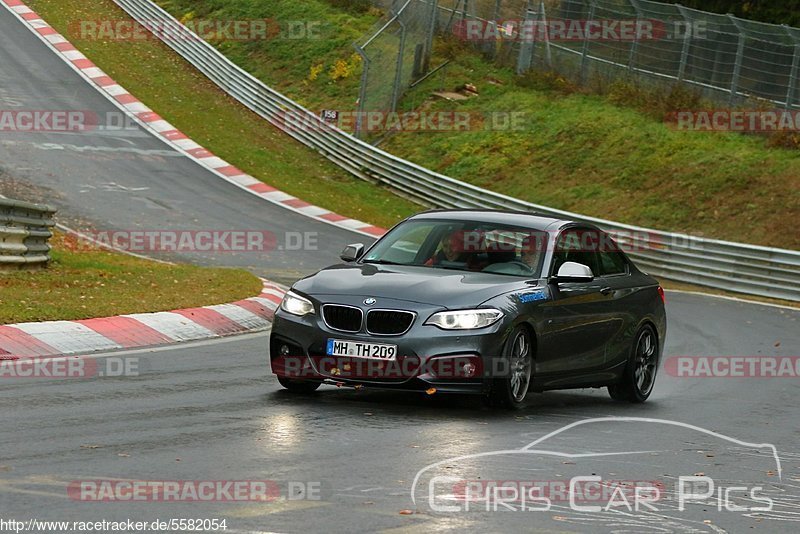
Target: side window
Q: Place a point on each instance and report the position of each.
(612, 263)
(576, 245)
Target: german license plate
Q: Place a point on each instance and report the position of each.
(358, 349)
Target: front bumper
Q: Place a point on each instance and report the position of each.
(427, 356)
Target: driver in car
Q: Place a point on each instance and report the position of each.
(454, 248)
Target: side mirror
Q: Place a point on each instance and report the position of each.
(352, 252)
(574, 272)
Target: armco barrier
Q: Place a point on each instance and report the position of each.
(750, 269)
(24, 231)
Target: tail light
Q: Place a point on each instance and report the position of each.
(661, 294)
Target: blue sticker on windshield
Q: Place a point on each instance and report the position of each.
(535, 296)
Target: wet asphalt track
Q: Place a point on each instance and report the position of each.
(211, 411)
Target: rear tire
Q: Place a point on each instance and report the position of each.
(299, 386)
(510, 392)
(639, 376)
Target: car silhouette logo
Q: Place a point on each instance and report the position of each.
(370, 301)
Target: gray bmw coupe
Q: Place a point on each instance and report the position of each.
(485, 302)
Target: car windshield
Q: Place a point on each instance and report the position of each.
(472, 246)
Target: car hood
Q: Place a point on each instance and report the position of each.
(440, 287)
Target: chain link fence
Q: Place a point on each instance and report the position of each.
(728, 59)
(397, 52)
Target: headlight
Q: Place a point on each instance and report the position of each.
(465, 319)
(296, 305)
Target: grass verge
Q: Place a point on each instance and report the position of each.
(83, 284)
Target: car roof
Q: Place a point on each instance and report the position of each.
(518, 218)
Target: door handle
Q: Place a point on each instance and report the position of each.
(606, 291)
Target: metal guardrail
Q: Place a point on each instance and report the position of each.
(750, 269)
(24, 231)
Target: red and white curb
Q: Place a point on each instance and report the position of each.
(150, 120)
(60, 338)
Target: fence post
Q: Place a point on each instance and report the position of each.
(525, 58)
(793, 75)
(471, 9)
(490, 47)
(398, 76)
(687, 42)
(542, 23)
(453, 13)
(737, 68)
(466, 11)
(635, 44)
(426, 64)
(362, 93)
(585, 52)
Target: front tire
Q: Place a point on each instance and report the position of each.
(640, 372)
(299, 386)
(510, 391)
